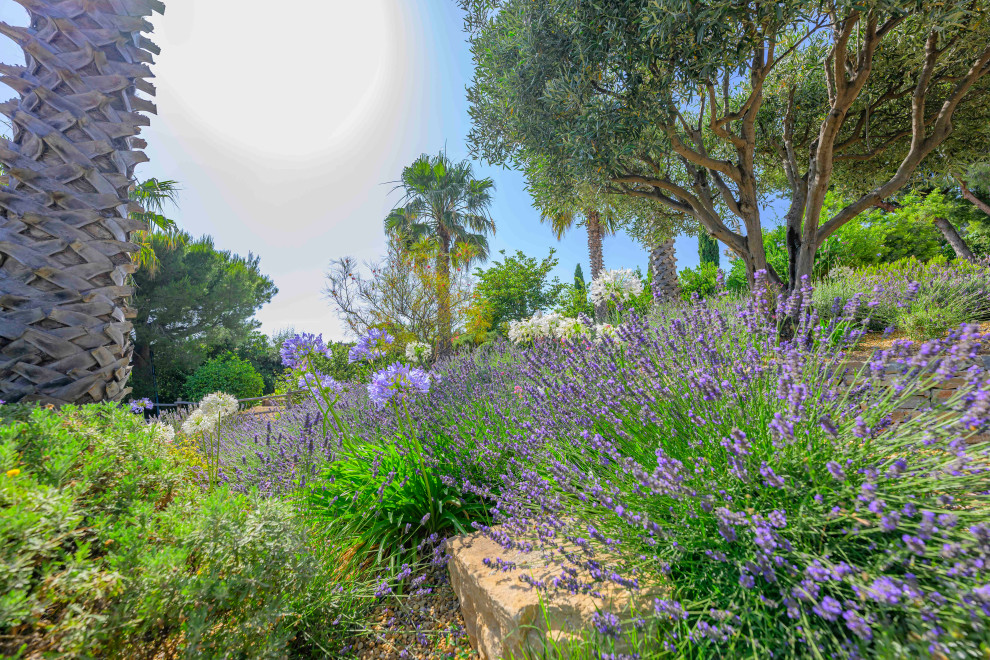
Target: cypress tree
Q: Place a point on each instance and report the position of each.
(579, 278)
(707, 248)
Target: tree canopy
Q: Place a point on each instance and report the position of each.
(517, 287)
(712, 109)
(445, 205)
(200, 298)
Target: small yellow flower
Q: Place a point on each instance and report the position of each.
(13, 473)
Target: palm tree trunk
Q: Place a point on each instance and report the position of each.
(444, 317)
(954, 239)
(595, 232)
(663, 267)
(595, 254)
(65, 252)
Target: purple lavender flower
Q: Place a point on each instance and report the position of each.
(607, 624)
(396, 383)
(372, 346)
(297, 350)
(669, 608)
(857, 624)
(836, 471)
(829, 609)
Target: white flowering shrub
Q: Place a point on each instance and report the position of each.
(540, 326)
(571, 329)
(418, 352)
(619, 284)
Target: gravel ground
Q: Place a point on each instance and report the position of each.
(420, 626)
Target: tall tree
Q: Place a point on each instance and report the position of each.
(443, 202)
(517, 287)
(597, 224)
(977, 175)
(200, 299)
(708, 250)
(663, 272)
(708, 108)
(65, 247)
(400, 294)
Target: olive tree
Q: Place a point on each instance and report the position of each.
(713, 109)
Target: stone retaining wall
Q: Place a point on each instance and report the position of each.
(930, 398)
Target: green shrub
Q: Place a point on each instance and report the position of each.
(573, 301)
(108, 550)
(225, 373)
(701, 280)
(388, 500)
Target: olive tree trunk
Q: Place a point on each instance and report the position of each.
(954, 239)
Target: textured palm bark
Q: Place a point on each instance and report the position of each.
(954, 239)
(596, 257)
(444, 316)
(663, 267)
(595, 251)
(64, 228)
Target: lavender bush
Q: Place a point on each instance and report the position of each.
(924, 299)
(787, 513)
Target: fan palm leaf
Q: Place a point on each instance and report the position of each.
(443, 201)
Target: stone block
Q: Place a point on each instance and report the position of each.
(914, 403)
(505, 617)
(942, 395)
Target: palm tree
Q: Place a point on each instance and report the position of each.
(663, 271)
(443, 203)
(597, 224)
(153, 195)
(65, 252)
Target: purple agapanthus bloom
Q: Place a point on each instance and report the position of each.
(314, 381)
(297, 350)
(396, 382)
(370, 347)
(140, 405)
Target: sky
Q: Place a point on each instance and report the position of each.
(286, 128)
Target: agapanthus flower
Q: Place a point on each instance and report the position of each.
(218, 404)
(522, 332)
(163, 432)
(372, 346)
(619, 284)
(418, 352)
(298, 349)
(606, 330)
(397, 382)
(539, 326)
(197, 422)
(140, 405)
(314, 381)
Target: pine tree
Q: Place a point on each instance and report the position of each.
(579, 283)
